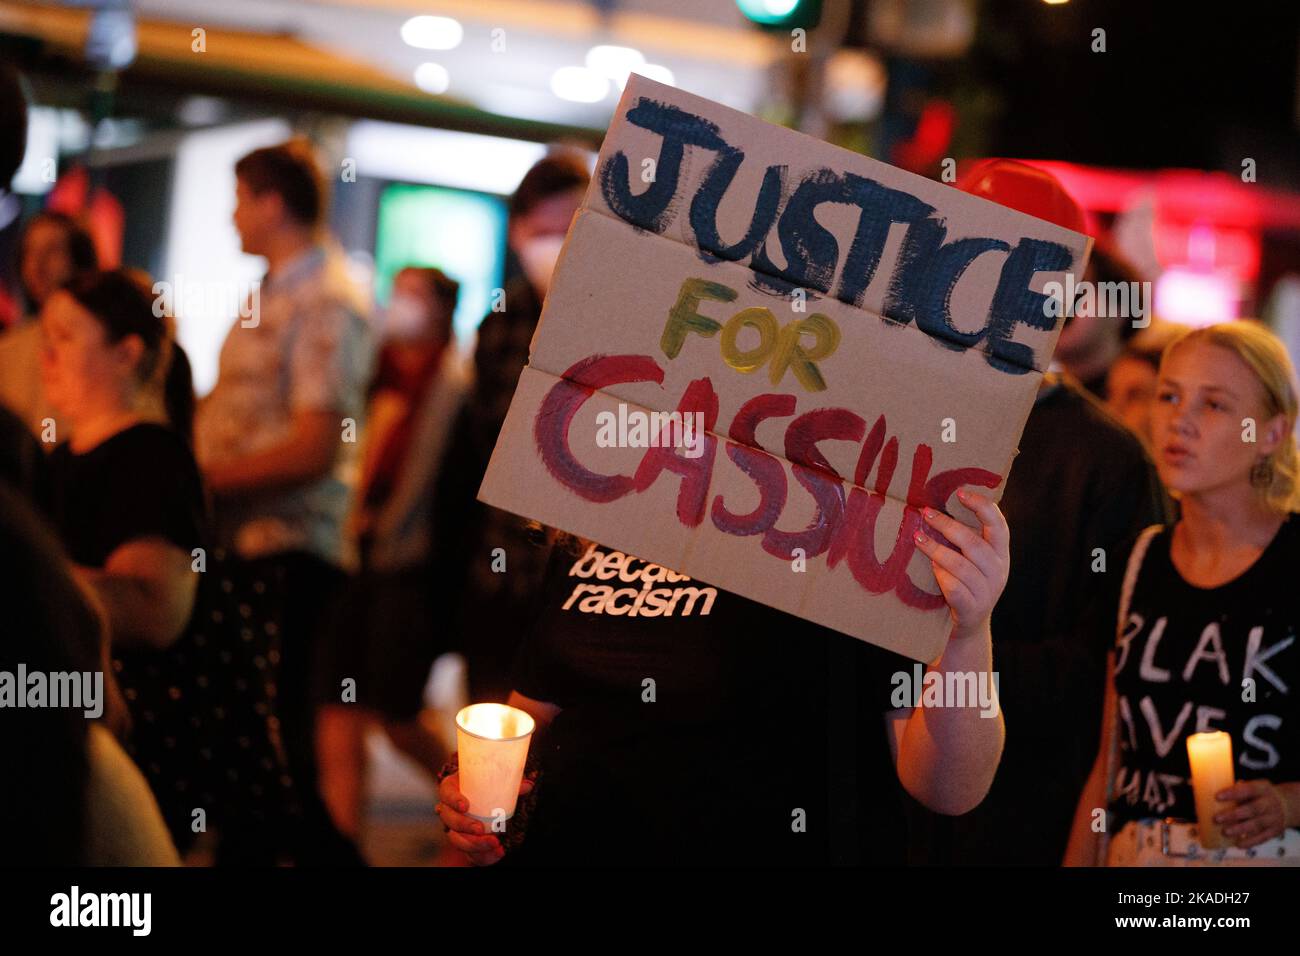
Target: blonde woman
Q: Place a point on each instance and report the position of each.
(1208, 619)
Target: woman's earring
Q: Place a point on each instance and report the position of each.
(1261, 473)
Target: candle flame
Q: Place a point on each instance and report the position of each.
(495, 721)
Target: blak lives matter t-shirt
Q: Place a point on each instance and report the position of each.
(699, 727)
(1185, 659)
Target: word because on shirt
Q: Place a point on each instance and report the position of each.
(643, 600)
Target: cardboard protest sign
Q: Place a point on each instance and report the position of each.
(761, 355)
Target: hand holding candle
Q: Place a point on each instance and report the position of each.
(1210, 755)
(1260, 812)
(465, 833)
(492, 740)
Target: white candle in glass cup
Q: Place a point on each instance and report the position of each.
(1210, 755)
(492, 740)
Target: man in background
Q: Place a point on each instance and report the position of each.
(1091, 341)
(277, 436)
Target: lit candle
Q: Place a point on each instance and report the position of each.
(1210, 755)
(493, 745)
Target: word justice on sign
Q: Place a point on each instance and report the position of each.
(925, 272)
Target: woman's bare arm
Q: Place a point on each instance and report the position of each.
(946, 757)
(147, 589)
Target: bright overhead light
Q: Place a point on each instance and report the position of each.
(417, 154)
(657, 72)
(432, 77)
(432, 33)
(579, 84)
(614, 62)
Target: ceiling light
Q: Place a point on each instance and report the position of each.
(432, 77)
(614, 62)
(579, 84)
(432, 33)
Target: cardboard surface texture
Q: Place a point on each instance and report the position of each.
(846, 343)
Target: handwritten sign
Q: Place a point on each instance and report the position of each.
(762, 355)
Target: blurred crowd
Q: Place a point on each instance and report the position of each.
(325, 489)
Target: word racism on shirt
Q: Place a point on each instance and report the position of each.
(75, 908)
(1254, 747)
(641, 598)
(927, 267)
(77, 690)
(844, 528)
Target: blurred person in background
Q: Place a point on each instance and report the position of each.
(53, 250)
(486, 608)
(1131, 380)
(277, 435)
(125, 494)
(80, 799)
(1081, 485)
(389, 631)
(1091, 339)
(1210, 613)
(72, 795)
(128, 502)
(22, 459)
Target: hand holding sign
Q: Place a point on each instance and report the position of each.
(971, 579)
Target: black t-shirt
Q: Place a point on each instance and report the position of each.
(142, 482)
(1181, 661)
(22, 460)
(698, 726)
(1081, 482)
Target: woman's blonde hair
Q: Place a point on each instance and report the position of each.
(1277, 476)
